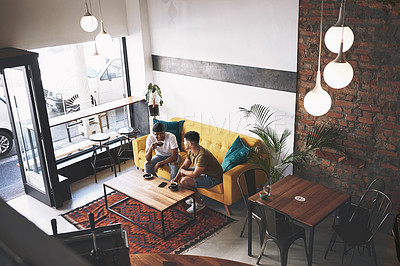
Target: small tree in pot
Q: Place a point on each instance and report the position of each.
(271, 155)
(151, 98)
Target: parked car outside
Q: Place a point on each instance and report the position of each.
(106, 84)
(6, 136)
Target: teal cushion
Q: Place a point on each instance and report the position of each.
(237, 154)
(174, 128)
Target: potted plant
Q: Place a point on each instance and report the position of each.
(271, 155)
(154, 92)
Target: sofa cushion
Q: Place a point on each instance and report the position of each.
(174, 128)
(237, 154)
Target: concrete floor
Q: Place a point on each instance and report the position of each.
(225, 244)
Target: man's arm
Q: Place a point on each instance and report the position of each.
(193, 173)
(186, 164)
(149, 152)
(170, 159)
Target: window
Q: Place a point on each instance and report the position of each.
(73, 80)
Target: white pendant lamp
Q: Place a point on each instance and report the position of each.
(103, 39)
(338, 73)
(333, 36)
(317, 102)
(88, 21)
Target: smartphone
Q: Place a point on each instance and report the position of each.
(162, 184)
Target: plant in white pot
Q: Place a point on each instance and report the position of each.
(154, 98)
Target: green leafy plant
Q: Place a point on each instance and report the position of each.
(151, 90)
(272, 154)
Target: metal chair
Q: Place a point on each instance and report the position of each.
(101, 138)
(124, 152)
(247, 182)
(396, 235)
(342, 216)
(281, 229)
(360, 230)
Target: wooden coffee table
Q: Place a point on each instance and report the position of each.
(134, 186)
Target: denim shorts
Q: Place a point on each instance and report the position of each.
(205, 181)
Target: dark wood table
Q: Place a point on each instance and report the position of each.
(319, 203)
(182, 260)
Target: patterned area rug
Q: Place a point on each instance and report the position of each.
(207, 223)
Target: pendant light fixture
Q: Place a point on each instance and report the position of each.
(334, 34)
(88, 21)
(103, 39)
(338, 73)
(317, 102)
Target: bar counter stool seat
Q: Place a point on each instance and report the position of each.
(101, 139)
(124, 152)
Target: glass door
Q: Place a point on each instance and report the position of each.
(27, 132)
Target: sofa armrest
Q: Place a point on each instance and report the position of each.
(231, 188)
(138, 145)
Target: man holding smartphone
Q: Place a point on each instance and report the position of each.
(166, 148)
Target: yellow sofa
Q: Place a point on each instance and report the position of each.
(217, 141)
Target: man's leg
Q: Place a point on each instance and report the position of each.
(149, 165)
(189, 183)
(174, 166)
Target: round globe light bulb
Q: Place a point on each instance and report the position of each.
(104, 41)
(317, 102)
(333, 37)
(338, 75)
(89, 23)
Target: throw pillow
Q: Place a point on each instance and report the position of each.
(238, 153)
(174, 128)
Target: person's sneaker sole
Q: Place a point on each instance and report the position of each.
(199, 207)
(189, 201)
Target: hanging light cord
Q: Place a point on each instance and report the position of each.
(320, 37)
(101, 14)
(344, 12)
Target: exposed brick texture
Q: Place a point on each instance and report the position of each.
(367, 111)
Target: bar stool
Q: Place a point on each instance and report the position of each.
(101, 138)
(127, 133)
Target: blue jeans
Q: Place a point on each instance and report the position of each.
(149, 168)
(205, 181)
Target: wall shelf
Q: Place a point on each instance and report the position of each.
(340, 158)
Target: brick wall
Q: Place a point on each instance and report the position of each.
(368, 110)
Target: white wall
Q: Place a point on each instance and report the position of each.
(259, 33)
(29, 24)
(242, 32)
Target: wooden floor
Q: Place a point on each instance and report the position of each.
(179, 260)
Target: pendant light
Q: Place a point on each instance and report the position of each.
(103, 39)
(88, 21)
(338, 73)
(317, 102)
(334, 34)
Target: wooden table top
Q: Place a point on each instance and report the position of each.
(147, 191)
(319, 202)
(182, 260)
(59, 120)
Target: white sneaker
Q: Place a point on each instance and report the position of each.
(189, 201)
(199, 207)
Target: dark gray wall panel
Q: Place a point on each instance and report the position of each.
(251, 76)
